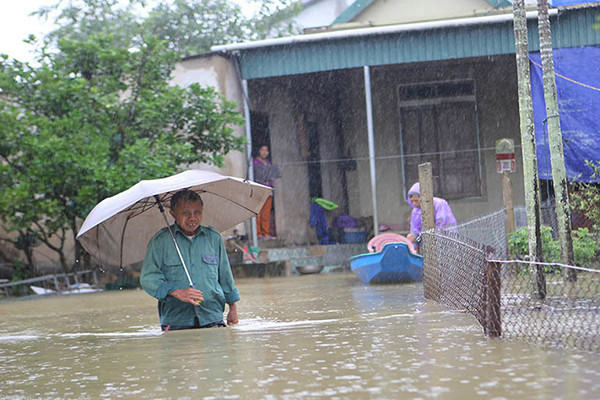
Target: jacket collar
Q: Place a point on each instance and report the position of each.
(199, 231)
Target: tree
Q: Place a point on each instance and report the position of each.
(555, 140)
(95, 117)
(189, 27)
(531, 183)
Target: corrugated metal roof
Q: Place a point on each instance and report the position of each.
(571, 28)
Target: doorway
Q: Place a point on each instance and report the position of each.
(315, 181)
(259, 126)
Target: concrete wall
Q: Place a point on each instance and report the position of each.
(289, 103)
(287, 100)
(218, 72)
(384, 12)
(272, 98)
(497, 117)
(320, 13)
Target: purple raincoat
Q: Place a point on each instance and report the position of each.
(443, 214)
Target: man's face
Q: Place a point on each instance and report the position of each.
(415, 199)
(188, 215)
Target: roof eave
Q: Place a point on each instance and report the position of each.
(381, 30)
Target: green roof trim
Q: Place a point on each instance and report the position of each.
(500, 3)
(571, 28)
(352, 11)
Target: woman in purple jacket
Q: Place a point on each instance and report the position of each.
(444, 218)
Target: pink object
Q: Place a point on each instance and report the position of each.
(376, 244)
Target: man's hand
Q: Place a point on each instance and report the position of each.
(232, 317)
(193, 296)
(411, 237)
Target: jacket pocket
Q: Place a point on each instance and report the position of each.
(173, 269)
(210, 258)
(211, 262)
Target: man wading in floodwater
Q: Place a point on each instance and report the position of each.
(203, 250)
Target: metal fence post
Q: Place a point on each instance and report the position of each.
(493, 320)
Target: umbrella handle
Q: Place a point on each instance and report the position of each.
(162, 211)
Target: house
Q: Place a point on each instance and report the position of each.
(350, 113)
(316, 13)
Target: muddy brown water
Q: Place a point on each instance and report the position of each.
(313, 336)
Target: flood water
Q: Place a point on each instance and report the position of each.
(313, 336)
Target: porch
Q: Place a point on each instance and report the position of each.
(274, 260)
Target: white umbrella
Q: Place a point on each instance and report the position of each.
(117, 231)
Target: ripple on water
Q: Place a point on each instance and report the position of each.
(261, 325)
(16, 337)
(146, 333)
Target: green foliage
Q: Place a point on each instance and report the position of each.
(96, 116)
(586, 196)
(518, 244)
(20, 272)
(585, 245)
(193, 27)
(189, 27)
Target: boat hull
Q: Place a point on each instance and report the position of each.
(393, 264)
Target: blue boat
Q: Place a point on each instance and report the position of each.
(393, 264)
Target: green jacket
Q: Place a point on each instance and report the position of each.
(208, 265)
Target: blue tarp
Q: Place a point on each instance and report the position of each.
(578, 89)
(562, 3)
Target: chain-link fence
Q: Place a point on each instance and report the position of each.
(491, 229)
(457, 275)
(536, 302)
(541, 304)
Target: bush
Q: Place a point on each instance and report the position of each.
(585, 245)
(585, 197)
(518, 244)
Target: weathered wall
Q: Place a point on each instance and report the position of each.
(286, 98)
(218, 72)
(383, 12)
(497, 117)
(320, 13)
(290, 102)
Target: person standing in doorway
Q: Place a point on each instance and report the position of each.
(265, 173)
